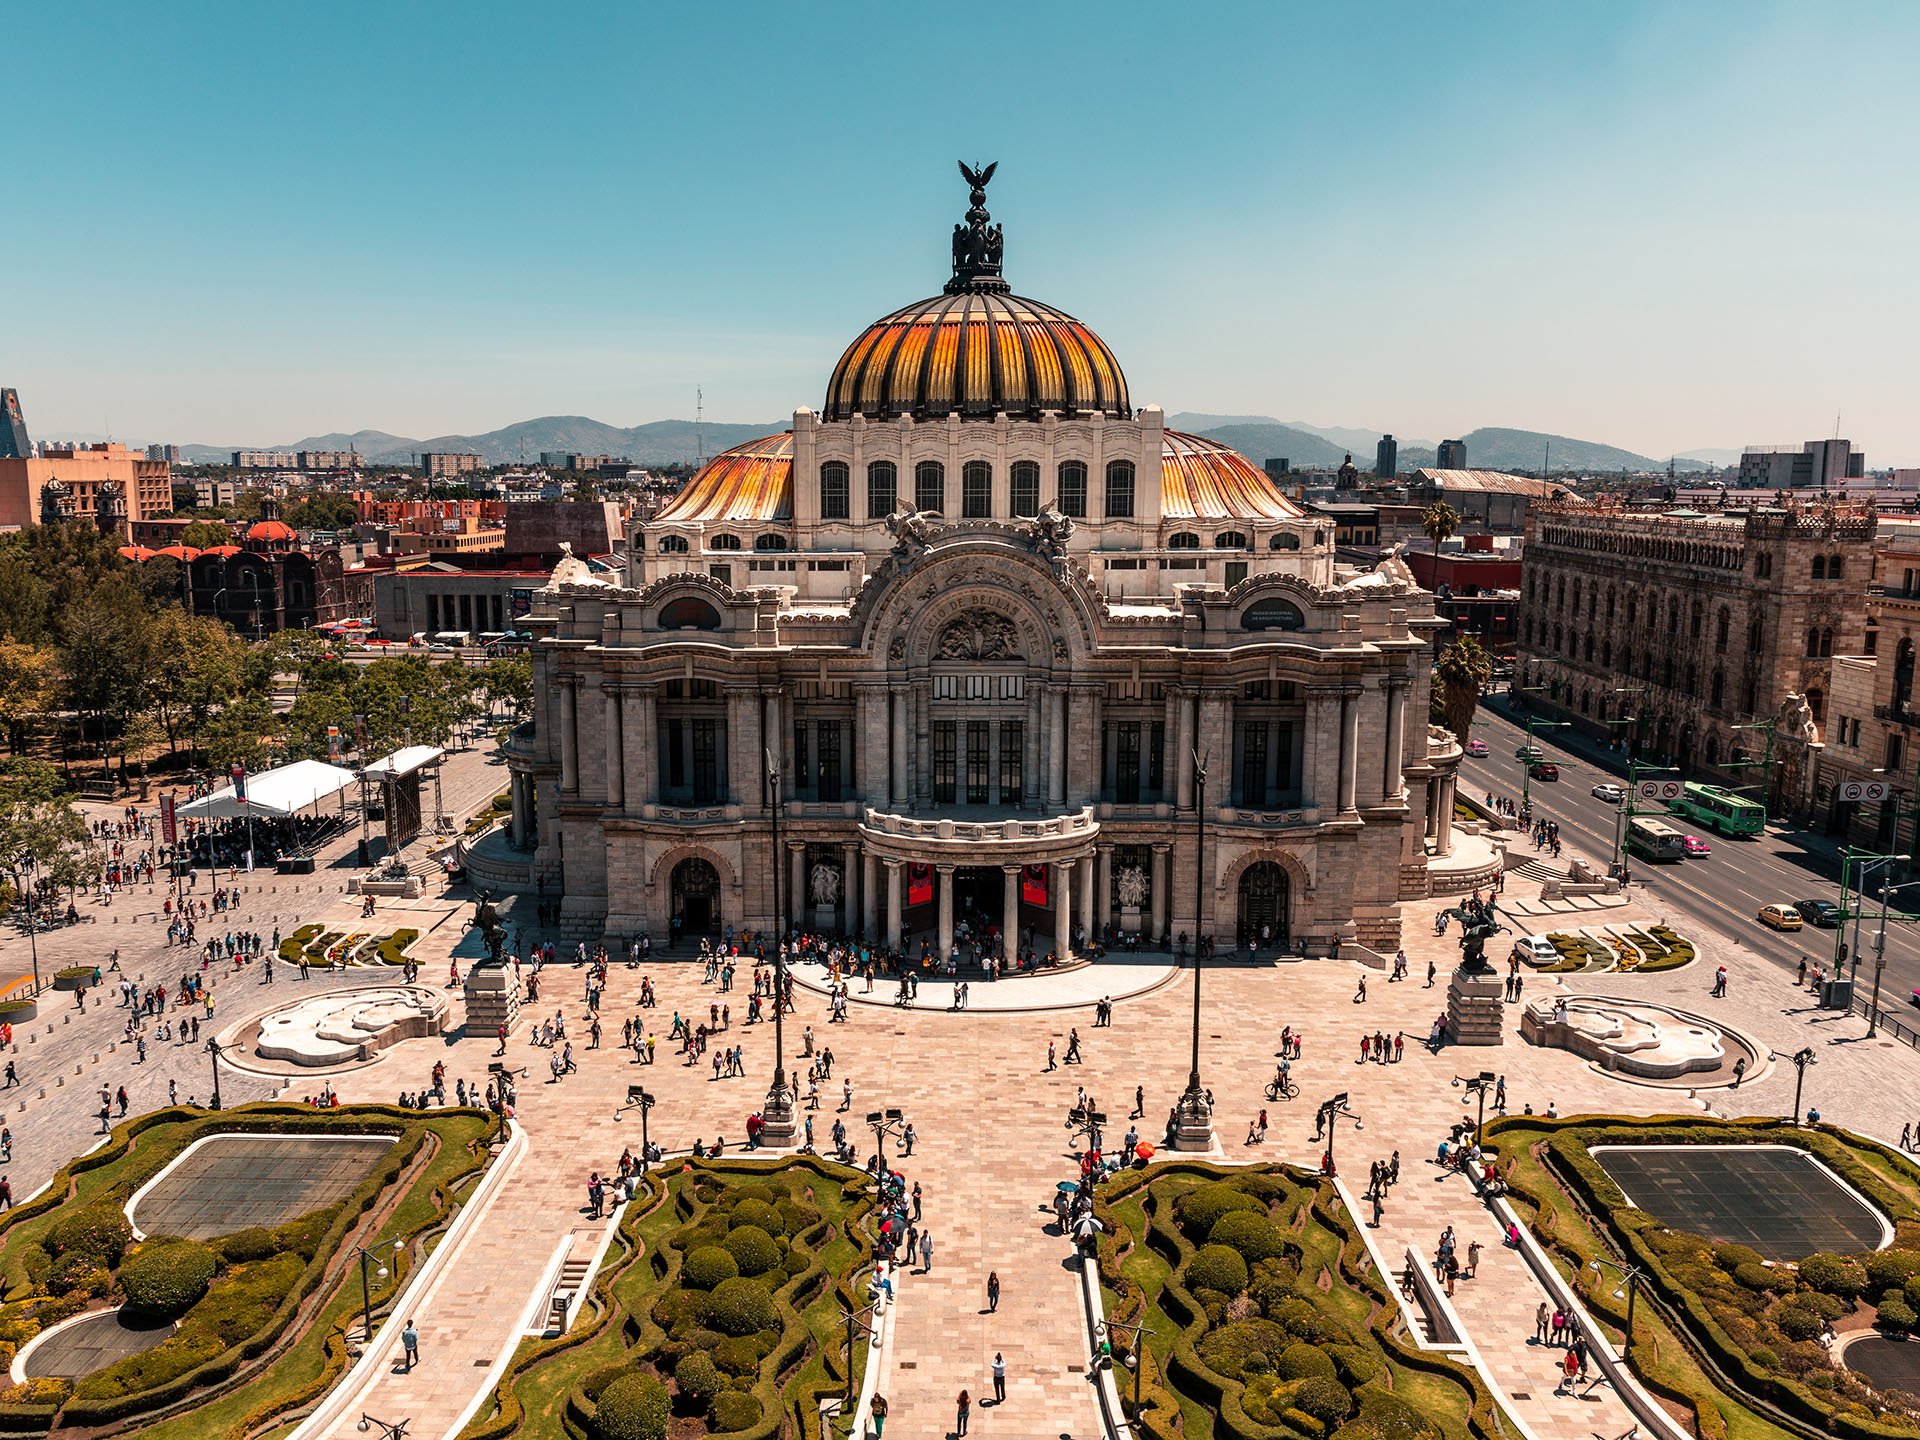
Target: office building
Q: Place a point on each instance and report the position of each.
(439, 463)
(1386, 456)
(1451, 455)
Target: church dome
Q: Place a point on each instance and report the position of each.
(271, 531)
(976, 353)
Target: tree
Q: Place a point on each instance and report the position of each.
(1463, 671)
(238, 734)
(508, 680)
(185, 497)
(323, 511)
(104, 658)
(1439, 522)
(206, 534)
(26, 674)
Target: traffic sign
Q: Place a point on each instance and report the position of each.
(1665, 791)
(1857, 790)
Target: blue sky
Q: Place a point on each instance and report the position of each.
(1663, 226)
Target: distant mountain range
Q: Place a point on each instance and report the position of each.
(662, 442)
(1261, 438)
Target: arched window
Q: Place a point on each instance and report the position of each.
(1073, 489)
(1826, 642)
(834, 485)
(976, 490)
(724, 542)
(1185, 540)
(770, 542)
(1229, 540)
(930, 487)
(1272, 614)
(1284, 540)
(1720, 626)
(1819, 567)
(1717, 692)
(1872, 644)
(1816, 702)
(1833, 567)
(1903, 674)
(883, 489)
(673, 544)
(1699, 618)
(688, 613)
(1813, 641)
(1589, 645)
(1609, 602)
(1023, 478)
(1713, 752)
(1319, 538)
(1119, 489)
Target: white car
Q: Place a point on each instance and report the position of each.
(1609, 792)
(1536, 950)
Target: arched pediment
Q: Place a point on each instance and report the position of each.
(996, 598)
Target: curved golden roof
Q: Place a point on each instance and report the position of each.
(1201, 479)
(976, 353)
(750, 482)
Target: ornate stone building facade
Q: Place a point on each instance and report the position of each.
(981, 639)
(1673, 630)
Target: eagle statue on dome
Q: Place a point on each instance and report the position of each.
(911, 529)
(978, 179)
(977, 246)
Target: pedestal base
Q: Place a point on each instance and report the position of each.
(779, 1126)
(1192, 1125)
(1476, 1012)
(492, 1000)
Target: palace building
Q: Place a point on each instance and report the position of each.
(979, 638)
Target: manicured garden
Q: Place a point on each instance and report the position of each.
(719, 1310)
(1269, 1319)
(1756, 1323)
(257, 1314)
(1642, 950)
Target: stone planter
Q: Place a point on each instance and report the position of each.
(18, 1012)
(73, 979)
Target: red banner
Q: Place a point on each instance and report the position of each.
(1033, 884)
(167, 832)
(239, 773)
(919, 884)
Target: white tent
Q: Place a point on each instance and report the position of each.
(273, 793)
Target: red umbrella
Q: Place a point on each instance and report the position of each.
(1143, 1150)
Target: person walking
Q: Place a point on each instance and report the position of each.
(926, 1253)
(993, 1293)
(1473, 1258)
(999, 1378)
(410, 1344)
(879, 1413)
(1542, 1318)
(1432, 970)
(966, 1409)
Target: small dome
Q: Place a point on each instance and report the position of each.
(1201, 479)
(221, 550)
(750, 482)
(271, 530)
(137, 552)
(976, 353)
(178, 552)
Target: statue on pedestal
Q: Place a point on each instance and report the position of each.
(1477, 926)
(486, 919)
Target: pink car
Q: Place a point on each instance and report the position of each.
(1697, 846)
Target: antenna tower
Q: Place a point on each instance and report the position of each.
(699, 427)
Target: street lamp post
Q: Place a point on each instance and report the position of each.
(1194, 1126)
(1630, 1278)
(366, 1288)
(884, 1122)
(1477, 1084)
(1332, 1112)
(776, 1113)
(1139, 1333)
(1801, 1060)
(639, 1099)
(215, 1049)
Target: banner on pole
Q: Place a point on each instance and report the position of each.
(239, 773)
(167, 831)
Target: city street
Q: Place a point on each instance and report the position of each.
(1722, 891)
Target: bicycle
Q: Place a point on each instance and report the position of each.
(1281, 1087)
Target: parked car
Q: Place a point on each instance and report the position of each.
(1536, 950)
(1606, 790)
(1823, 913)
(1780, 917)
(1545, 772)
(1476, 747)
(1697, 846)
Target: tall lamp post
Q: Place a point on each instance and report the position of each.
(366, 1288)
(1193, 1129)
(1478, 1084)
(884, 1122)
(1332, 1112)
(1630, 1278)
(1801, 1060)
(776, 1113)
(215, 1049)
(639, 1099)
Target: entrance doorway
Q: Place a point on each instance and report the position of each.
(1264, 901)
(695, 902)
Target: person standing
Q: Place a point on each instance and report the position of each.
(993, 1304)
(410, 1343)
(999, 1373)
(965, 1409)
(1542, 1319)
(926, 1253)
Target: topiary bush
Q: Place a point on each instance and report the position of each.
(741, 1307)
(1890, 1269)
(698, 1379)
(1356, 1364)
(1301, 1361)
(244, 1246)
(1216, 1267)
(1251, 1233)
(1753, 1275)
(733, 1410)
(1324, 1398)
(1243, 1347)
(708, 1266)
(634, 1407)
(757, 1212)
(167, 1279)
(1827, 1307)
(1798, 1324)
(753, 1249)
(1895, 1315)
(1200, 1209)
(1835, 1274)
(1732, 1257)
(1386, 1417)
(99, 1230)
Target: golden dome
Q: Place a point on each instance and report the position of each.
(749, 482)
(976, 353)
(1201, 479)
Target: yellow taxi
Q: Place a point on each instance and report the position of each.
(1780, 917)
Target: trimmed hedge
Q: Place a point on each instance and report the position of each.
(708, 1266)
(752, 1249)
(741, 1307)
(167, 1279)
(634, 1407)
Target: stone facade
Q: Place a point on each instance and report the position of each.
(1671, 630)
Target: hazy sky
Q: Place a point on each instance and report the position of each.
(1664, 226)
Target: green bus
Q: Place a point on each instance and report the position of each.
(1720, 809)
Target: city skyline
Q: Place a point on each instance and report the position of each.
(1590, 222)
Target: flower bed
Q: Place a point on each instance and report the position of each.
(1757, 1325)
(392, 950)
(1269, 1320)
(253, 1320)
(731, 1324)
(291, 947)
(1577, 952)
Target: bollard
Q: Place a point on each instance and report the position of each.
(43, 1092)
(59, 1081)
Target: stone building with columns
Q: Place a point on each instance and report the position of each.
(980, 640)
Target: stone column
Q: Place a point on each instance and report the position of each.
(892, 937)
(1349, 749)
(1320, 750)
(1160, 855)
(1170, 757)
(797, 906)
(1057, 749)
(616, 755)
(569, 740)
(744, 762)
(1443, 817)
(1429, 789)
(1103, 886)
(897, 796)
(1083, 746)
(869, 895)
(1063, 912)
(870, 747)
(518, 790)
(849, 877)
(1085, 868)
(1390, 783)
(781, 743)
(637, 746)
(943, 879)
(1184, 760)
(1010, 911)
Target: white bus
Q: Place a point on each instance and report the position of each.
(1655, 839)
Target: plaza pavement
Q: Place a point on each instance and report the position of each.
(992, 1142)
